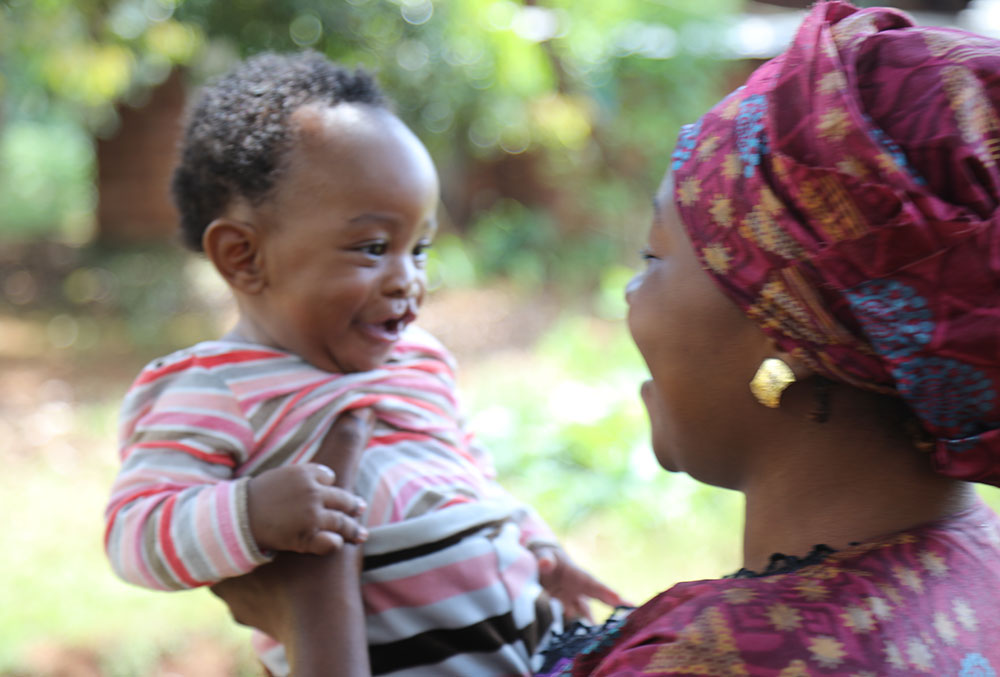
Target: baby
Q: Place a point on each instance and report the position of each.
(317, 206)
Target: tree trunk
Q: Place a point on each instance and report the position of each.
(134, 168)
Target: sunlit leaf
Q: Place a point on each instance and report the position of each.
(173, 40)
(91, 74)
(562, 119)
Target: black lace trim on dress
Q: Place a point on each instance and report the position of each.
(581, 637)
(786, 564)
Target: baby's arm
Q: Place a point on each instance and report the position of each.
(179, 517)
(571, 585)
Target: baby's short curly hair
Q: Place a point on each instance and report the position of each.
(239, 130)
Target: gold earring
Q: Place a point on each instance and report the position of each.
(770, 381)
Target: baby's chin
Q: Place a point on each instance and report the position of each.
(353, 364)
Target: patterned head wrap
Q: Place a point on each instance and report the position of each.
(847, 197)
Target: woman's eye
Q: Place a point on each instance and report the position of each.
(647, 255)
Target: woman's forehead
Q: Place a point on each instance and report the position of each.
(664, 192)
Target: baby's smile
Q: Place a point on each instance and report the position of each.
(390, 327)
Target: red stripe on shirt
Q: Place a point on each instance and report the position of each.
(234, 357)
(218, 459)
(168, 545)
(116, 507)
(287, 408)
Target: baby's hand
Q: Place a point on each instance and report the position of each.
(298, 508)
(570, 584)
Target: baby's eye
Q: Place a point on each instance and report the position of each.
(420, 251)
(647, 255)
(374, 248)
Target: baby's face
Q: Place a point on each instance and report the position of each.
(344, 239)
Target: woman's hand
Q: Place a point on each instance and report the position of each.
(312, 603)
(570, 584)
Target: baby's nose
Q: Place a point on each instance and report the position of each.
(404, 281)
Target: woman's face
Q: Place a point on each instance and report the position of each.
(701, 351)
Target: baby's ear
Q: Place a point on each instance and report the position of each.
(234, 249)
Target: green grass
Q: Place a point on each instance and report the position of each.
(563, 420)
(58, 588)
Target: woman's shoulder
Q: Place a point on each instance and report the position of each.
(921, 601)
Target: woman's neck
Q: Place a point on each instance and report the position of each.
(837, 490)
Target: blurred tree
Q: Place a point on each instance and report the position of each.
(946, 6)
(570, 106)
(65, 66)
(79, 57)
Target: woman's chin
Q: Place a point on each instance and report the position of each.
(660, 449)
(665, 459)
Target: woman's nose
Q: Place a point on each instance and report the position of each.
(632, 286)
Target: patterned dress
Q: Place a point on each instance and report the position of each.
(921, 602)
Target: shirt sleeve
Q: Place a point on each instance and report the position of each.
(177, 517)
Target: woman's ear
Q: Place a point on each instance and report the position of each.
(779, 381)
(234, 249)
(798, 366)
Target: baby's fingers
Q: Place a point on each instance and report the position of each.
(335, 529)
(577, 583)
(321, 473)
(602, 593)
(343, 501)
(576, 608)
(325, 542)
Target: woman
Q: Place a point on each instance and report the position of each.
(842, 205)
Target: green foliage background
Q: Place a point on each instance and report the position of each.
(551, 124)
(591, 91)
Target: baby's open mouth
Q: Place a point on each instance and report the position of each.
(395, 324)
(391, 328)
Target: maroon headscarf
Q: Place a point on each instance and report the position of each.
(847, 196)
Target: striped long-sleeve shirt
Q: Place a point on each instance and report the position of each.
(447, 578)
